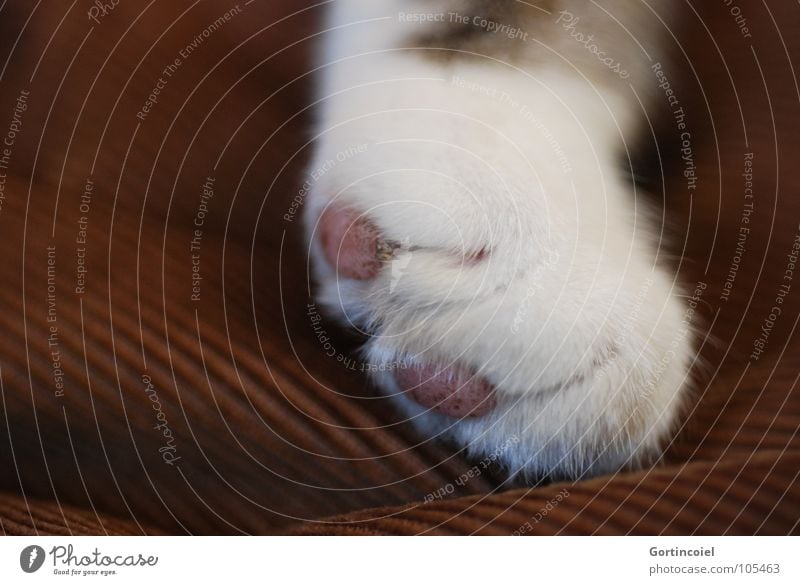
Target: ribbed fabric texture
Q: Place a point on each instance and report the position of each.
(224, 413)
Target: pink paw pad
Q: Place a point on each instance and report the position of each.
(451, 391)
(350, 243)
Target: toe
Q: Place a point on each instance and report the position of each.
(350, 243)
(452, 391)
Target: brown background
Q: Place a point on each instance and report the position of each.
(273, 435)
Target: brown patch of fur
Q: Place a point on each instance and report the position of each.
(457, 40)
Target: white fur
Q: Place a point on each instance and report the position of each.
(568, 316)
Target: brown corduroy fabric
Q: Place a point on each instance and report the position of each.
(25, 517)
(272, 434)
